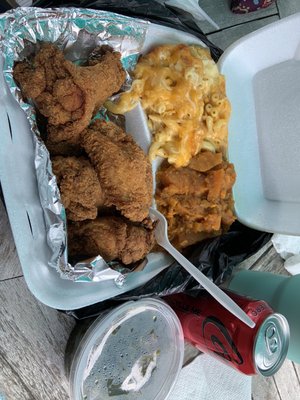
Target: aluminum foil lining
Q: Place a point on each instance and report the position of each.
(76, 32)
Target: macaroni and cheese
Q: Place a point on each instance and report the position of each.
(183, 96)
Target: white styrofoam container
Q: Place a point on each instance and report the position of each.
(262, 73)
(18, 180)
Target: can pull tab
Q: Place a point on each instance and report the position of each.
(272, 340)
(272, 344)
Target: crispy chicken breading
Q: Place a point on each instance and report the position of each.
(63, 148)
(104, 177)
(79, 187)
(112, 237)
(123, 169)
(67, 94)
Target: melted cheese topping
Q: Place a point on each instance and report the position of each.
(183, 96)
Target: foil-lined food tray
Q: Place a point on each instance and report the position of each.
(34, 207)
(77, 33)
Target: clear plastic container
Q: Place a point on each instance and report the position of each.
(133, 352)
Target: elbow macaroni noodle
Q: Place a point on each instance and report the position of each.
(183, 96)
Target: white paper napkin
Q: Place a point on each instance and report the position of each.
(208, 379)
(289, 249)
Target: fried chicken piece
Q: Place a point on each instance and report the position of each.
(63, 148)
(123, 169)
(67, 94)
(111, 237)
(79, 187)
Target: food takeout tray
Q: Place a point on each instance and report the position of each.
(19, 184)
(262, 72)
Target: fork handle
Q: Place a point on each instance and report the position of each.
(213, 289)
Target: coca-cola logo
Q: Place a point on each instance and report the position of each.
(218, 340)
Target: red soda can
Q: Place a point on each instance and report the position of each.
(212, 329)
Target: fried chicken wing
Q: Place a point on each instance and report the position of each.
(63, 148)
(123, 169)
(79, 187)
(68, 94)
(111, 237)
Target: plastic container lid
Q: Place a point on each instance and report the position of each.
(135, 351)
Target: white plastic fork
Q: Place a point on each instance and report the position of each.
(161, 235)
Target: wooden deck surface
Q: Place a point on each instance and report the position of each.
(33, 337)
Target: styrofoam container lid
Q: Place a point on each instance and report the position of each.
(262, 73)
(135, 351)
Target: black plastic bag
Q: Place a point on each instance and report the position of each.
(215, 257)
(4, 6)
(149, 10)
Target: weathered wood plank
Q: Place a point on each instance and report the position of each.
(297, 371)
(9, 262)
(251, 261)
(190, 353)
(287, 382)
(10, 383)
(284, 385)
(288, 7)
(219, 11)
(226, 37)
(270, 262)
(264, 389)
(33, 340)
